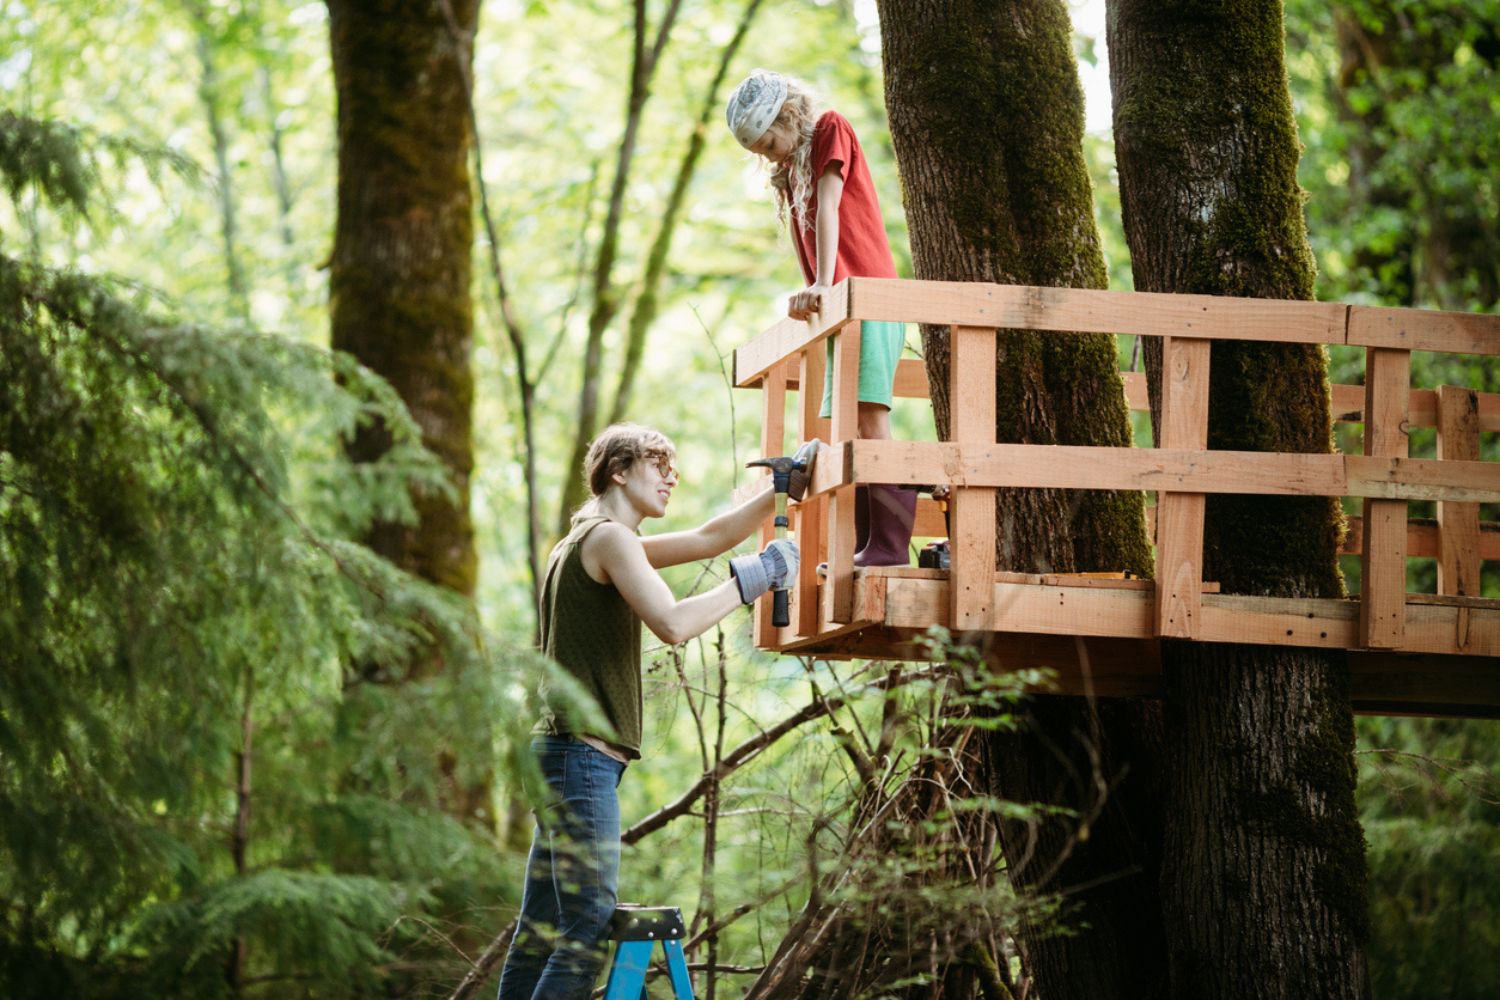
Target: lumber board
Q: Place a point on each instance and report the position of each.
(1349, 407)
(1179, 516)
(1423, 330)
(811, 539)
(1382, 681)
(1422, 538)
(971, 378)
(1442, 628)
(1318, 623)
(1388, 683)
(844, 410)
(930, 522)
(1081, 310)
(785, 338)
(772, 443)
(1422, 479)
(1137, 394)
(1458, 523)
(809, 367)
(1022, 607)
(1383, 576)
(838, 588)
(1101, 468)
(911, 380)
(1348, 403)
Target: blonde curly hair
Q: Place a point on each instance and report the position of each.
(792, 178)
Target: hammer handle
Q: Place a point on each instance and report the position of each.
(781, 615)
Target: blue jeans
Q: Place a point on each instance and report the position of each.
(572, 876)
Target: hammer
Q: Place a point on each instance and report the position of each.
(781, 478)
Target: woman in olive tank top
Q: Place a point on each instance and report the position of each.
(601, 584)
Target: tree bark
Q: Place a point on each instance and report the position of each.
(1263, 872)
(990, 152)
(400, 273)
(400, 276)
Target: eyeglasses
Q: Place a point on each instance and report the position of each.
(665, 467)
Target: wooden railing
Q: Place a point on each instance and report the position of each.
(790, 356)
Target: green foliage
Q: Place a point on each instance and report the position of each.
(1432, 817)
(1403, 195)
(181, 595)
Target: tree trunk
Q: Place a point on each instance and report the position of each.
(990, 151)
(401, 256)
(1263, 872)
(399, 282)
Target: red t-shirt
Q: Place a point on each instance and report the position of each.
(864, 251)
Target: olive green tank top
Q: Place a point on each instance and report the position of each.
(594, 635)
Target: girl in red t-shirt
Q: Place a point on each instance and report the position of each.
(823, 186)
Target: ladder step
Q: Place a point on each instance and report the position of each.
(638, 929)
(633, 922)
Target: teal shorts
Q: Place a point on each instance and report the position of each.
(880, 345)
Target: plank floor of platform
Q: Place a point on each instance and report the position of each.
(1096, 635)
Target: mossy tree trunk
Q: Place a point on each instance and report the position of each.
(399, 280)
(400, 269)
(1263, 872)
(986, 118)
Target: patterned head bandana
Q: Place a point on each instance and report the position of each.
(754, 105)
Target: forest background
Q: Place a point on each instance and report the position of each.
(215, 783)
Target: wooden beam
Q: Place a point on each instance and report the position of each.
(1422, 539)
(911, 380)
(772, 443)
(1128, 665)
(1386, 683)
(1158, 314)
(1458, 523)
(1099, 468)
(839, 590)
(788, 337)
(1421, 479)
(1179, 518)
(1383, 578)
(811, 538)
(1423, 330)
(971, 392)
(1349, 407)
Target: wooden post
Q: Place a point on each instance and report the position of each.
(840, 587)
(971, 408)
(1458, 523)
(1179, 516)
(810, 514)
(1382, 599)
(772, 443)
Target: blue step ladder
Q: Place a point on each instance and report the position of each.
(638, 929)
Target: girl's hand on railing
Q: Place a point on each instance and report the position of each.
(807, 302)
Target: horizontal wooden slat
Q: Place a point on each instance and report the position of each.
(752, 361)
(1311, 622)
(1349, 403)
(1424, 330)
(911, 380)
(1090, 310)
(1081, 467)
(1442, 682)
(1421, 479)
(1329, 623)
(1349, 407)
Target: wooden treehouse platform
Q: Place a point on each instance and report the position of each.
(1429, 654)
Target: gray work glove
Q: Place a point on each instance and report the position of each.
(797, 485)
(773, 568)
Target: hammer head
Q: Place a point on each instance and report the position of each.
(782, 465)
